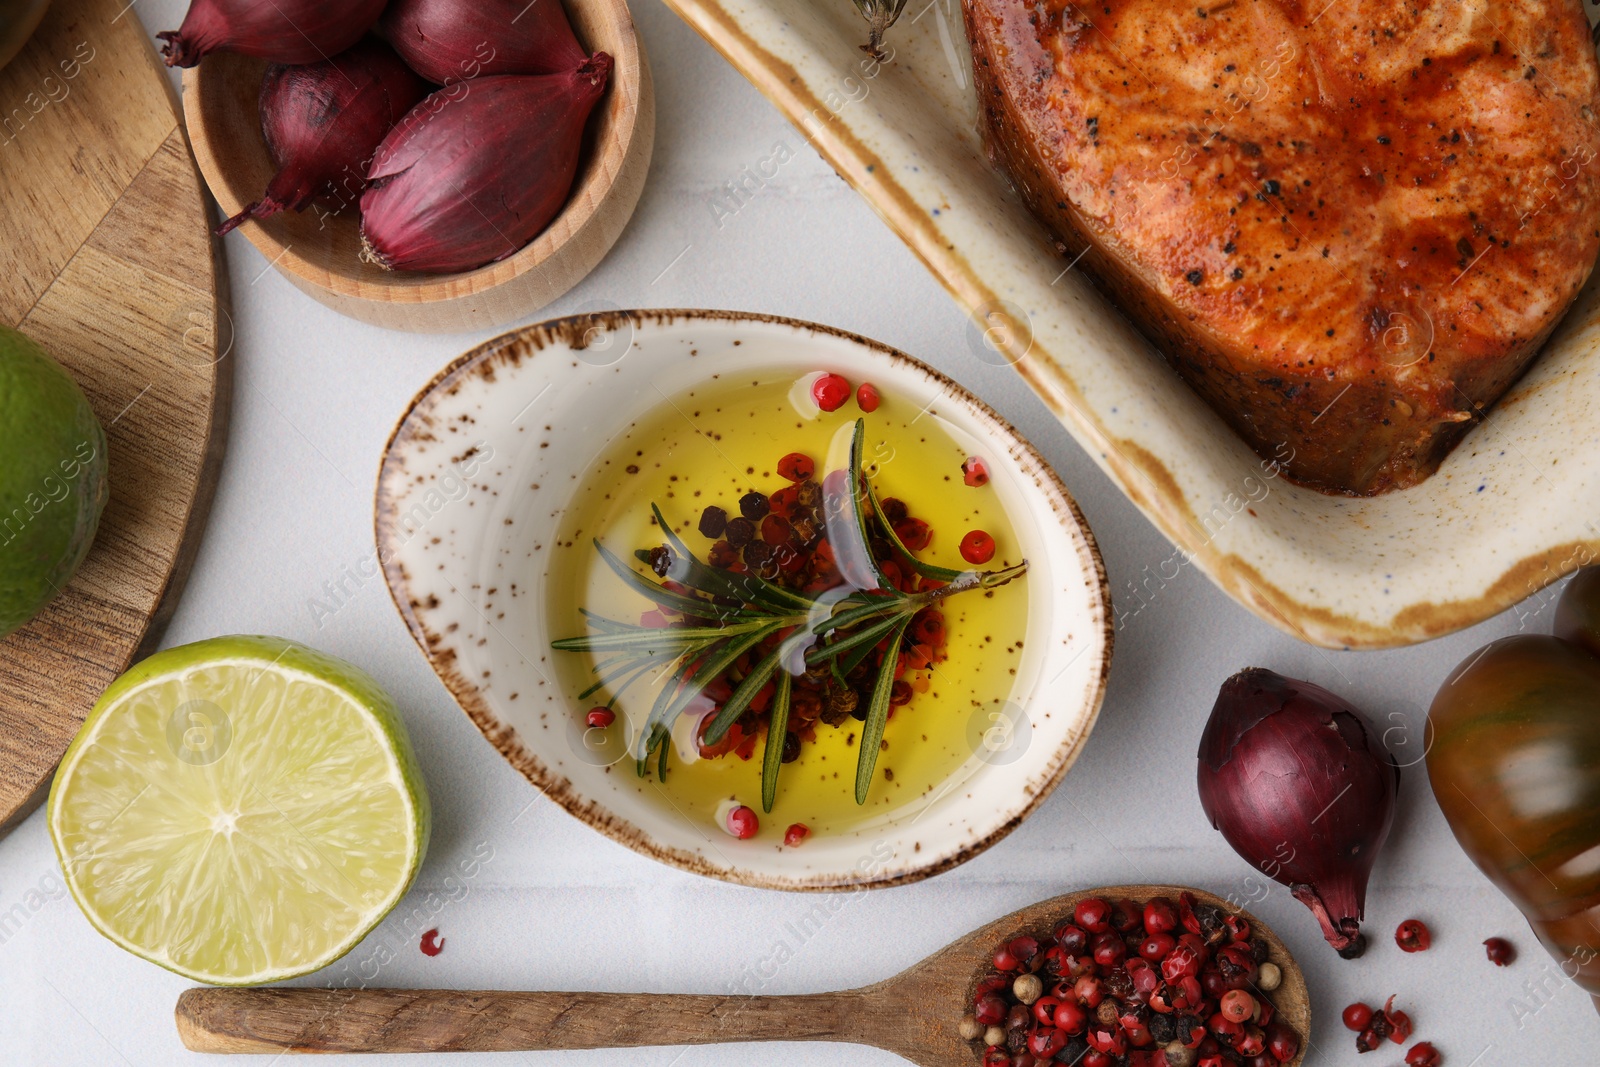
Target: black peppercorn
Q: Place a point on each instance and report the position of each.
(740, 532)
(713, 521)
(754, 506)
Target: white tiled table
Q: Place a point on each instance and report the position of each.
(558, 906)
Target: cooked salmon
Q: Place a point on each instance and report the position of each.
(1349, 225)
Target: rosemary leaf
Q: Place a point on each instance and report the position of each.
(851, 616)
(707, 669)
(631, 670)
(926, 570)
(651, 590)
(643, 639)
(848, 532)
(742, 696)
(652, 723)
(868, 637)
(877, 715)
(605, 625)
(777, 733)
(854, 659)
(748, 588)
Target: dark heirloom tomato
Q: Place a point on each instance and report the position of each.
(1578, 612)
(1515, 764)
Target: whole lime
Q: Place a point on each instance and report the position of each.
(53, 483)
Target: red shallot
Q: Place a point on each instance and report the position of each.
(477, 170)
(323, 122)
(448, 41)
(1298, 783)
(283, 31)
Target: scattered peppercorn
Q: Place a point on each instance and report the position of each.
(1501, 952)
(713, 521)
(975, 472)
(1357, 1016)
(600, 718)
(977, 547)
(742, 823)
(1422, 1054)
(868, 398)
(796, 466)
(1399, 1022)
(1413, 936)
(740, 532)
(795, 835)
(754, 506)
(830, 391)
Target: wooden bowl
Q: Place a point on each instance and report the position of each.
(321, 255)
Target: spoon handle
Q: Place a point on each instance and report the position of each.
(447, 1020)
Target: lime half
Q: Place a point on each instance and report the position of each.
(240, 810)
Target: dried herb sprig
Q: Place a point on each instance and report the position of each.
(880, 15)
(727, 614)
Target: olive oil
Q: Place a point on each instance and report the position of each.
(711, 446)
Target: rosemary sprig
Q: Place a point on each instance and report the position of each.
(728, 616)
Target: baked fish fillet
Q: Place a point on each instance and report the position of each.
(1348, 225)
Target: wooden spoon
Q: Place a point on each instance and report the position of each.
(914, 1014)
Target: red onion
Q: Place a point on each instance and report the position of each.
(448, 41)
(283, 31)
(1297, 781)
(477, 170)
(324, 121)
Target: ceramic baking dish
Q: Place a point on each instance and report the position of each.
(1513, 508)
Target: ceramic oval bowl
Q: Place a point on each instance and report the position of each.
(320, 253)
(471, 498)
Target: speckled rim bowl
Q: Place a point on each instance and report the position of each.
(472, 489)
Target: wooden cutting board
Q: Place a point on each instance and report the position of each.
(107, 260)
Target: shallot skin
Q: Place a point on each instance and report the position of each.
(323, 123)
(282, 31)
(477, 170)
(1299, 783)
(448, 41)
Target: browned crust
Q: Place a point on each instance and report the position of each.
(513, 347)
(1382, 432)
